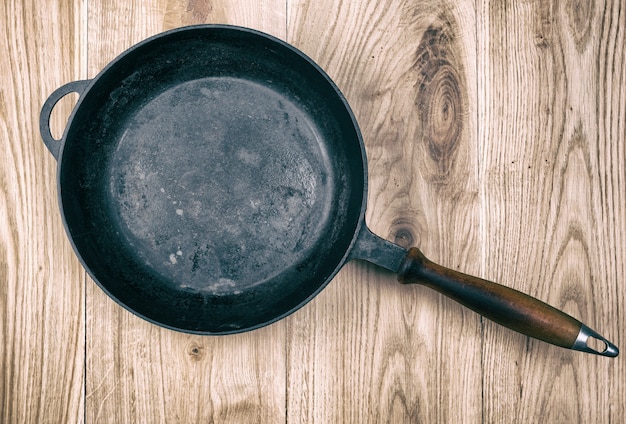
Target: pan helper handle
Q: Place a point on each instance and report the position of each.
(46, 111)
(506, 306)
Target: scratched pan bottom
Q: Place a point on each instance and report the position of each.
(229, 188)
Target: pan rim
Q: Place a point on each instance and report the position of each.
(360, 219)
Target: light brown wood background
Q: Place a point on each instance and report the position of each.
(496, 139)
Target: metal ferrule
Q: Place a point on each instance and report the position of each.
(582, 345)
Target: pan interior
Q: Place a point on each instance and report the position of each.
(212, 179)
(220, 184)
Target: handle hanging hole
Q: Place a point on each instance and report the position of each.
(596, 344)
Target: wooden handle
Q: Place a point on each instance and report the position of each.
(506, 306)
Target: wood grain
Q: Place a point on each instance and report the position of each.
(368, 349)
(41, 282)
(496, 143)
(552, 160)
(135, 371)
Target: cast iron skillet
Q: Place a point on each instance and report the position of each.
(212, 180)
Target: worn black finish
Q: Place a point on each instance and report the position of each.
(212, 179)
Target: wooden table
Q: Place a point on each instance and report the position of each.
(496, 139)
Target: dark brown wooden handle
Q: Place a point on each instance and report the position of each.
(506, 306)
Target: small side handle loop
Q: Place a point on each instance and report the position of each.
(51, 143)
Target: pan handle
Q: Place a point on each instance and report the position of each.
(44, 117)
(504, 305)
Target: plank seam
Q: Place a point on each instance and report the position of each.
(481, 198)
(84, 63)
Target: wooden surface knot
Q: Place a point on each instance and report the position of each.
(406, 231)
(200, 9)
(579, 17)
(195, 351)
(192, 11)
(439, 97)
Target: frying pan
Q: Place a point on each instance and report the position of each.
(212, 180)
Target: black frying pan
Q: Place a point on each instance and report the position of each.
(212, 179)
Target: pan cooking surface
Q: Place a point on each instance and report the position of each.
(229, 185)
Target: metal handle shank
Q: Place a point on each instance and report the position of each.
(506, 306)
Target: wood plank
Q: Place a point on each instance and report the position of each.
(136, 371)
(523, 181)
(41, 281)
(553, 170)
(368, 349)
